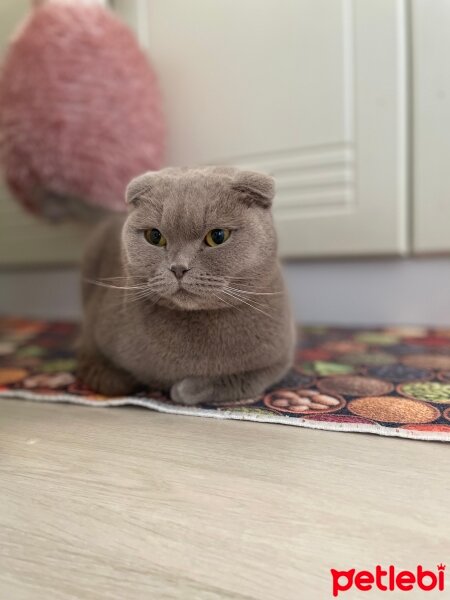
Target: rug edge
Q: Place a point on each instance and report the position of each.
(153, 404)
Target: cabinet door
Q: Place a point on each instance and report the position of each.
(431, 148)
(311, 91)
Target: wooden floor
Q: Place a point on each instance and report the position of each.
(129, 504)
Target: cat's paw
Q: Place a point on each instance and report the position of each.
(105, 379)
(191, 391)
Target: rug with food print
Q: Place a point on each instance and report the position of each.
(393, 381)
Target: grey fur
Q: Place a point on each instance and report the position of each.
(193, 336)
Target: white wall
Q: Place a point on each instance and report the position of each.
(413, 291)
(346, 292)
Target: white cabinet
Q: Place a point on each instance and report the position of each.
(312, 91)
(431, 125)
(316, 92)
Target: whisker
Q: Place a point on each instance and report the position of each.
(255, 293)
(132, 298)
(136, 300)
(252, 300)
(250, 289)
(119, 303)
(114, 287)
(210, 279)
(239, 278)
(119, 279)
(223, 300)
(248, 303)
(143, 295)
(249, 285)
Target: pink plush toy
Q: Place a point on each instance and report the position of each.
(80, 111)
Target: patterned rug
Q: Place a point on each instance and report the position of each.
(393, 381)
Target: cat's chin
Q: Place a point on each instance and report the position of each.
(183, 300)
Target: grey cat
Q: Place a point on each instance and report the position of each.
(186, 293)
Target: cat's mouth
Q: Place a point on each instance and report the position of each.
(182, 292)
(189, 293)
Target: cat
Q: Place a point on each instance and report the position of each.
(185, 293)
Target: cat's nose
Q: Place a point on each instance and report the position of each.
(178, 270)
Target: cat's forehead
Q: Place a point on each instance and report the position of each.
(191, 202)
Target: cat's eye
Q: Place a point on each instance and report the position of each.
(155, 237)
(215, 237)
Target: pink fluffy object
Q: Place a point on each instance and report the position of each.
(80, 111)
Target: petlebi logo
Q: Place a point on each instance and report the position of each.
(388, 579)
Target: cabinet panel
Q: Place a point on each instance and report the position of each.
(311, 91)
(431, 152)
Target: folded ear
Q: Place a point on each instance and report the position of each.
(140, 185)
(254, 188)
